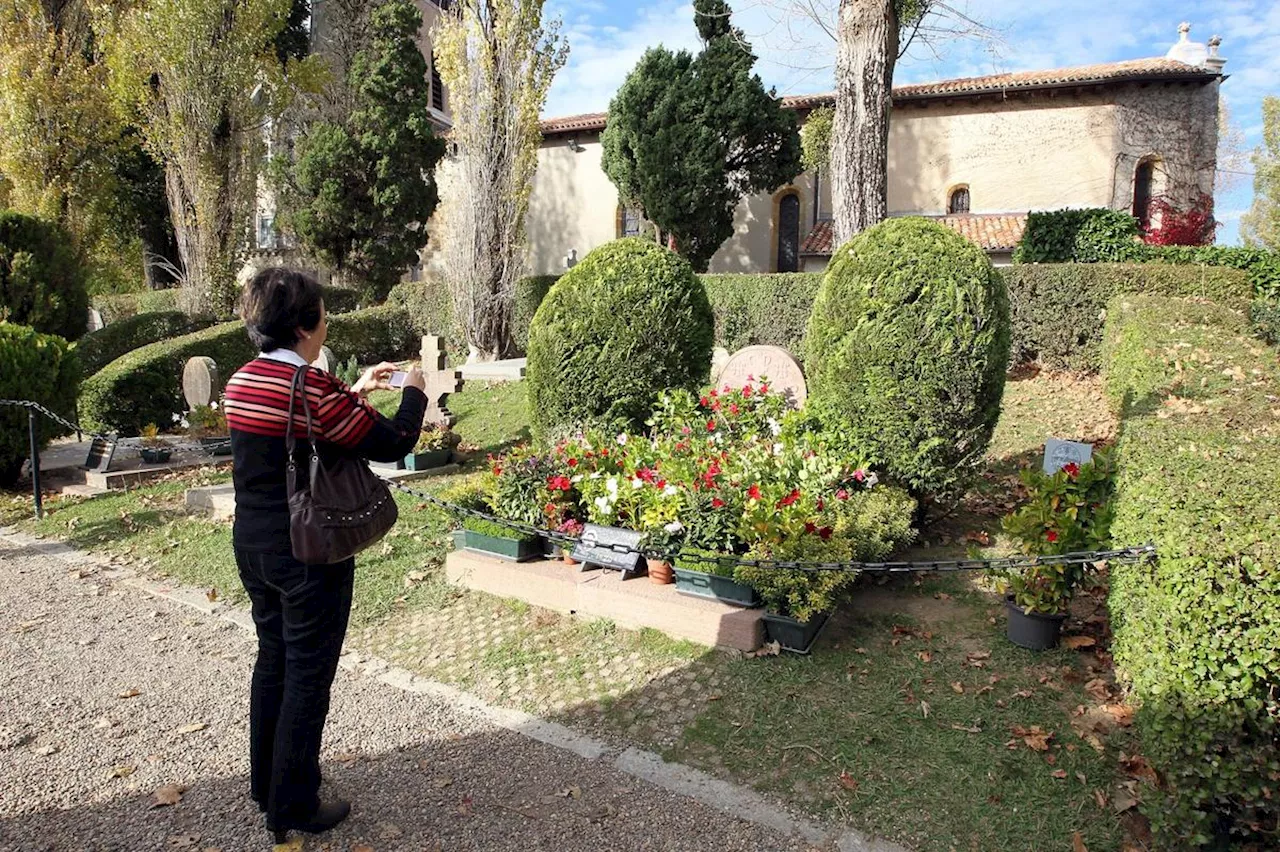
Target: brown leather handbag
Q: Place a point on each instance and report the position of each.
(344, 507)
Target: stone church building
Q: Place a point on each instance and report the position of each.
(979, 153)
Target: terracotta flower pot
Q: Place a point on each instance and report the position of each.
(660, 572)
(566, 556)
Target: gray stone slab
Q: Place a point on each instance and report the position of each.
(216, 501)
(511, 370)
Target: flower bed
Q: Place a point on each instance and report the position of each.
(728, 473)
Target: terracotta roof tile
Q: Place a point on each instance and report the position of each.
(990, 231)
(1111, 72)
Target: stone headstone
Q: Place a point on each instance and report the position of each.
(595, 549)
(440, 382)
(1058, 454)
(200, 381)
(95, 320)
(327, 361)
(748, 366)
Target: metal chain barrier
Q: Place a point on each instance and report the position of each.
(1092, 557)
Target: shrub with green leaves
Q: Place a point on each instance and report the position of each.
(431, 311)
(1197, 632)
(1095, 235)
(1265, 315)
(99, 348)
(144, 386)
(768, 309)
(117, 306)
(1058, 308)
(626, 323)
(907, 350)
(41, 277)
(42, 368)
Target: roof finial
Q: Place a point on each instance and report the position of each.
(1184, 29)
(1215, 62)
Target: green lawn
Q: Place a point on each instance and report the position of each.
(914, 719)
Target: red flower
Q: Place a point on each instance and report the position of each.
(746, 392)
(604, 452)
(842, 494)
(549, 509)
(825, 533)
(717, 503)
(733, 409)
(764, 389)
(713, 393)
(1072, 469)
(684, 430)
(559, 483)
(822, 504)
(573, 462)
(644, 474)
(711, 425)
(790, 499)
(754, 492)
(1051, 536)
(810, 527)
(660, 484)
(704, 402)
(715, 406)
(497, 471)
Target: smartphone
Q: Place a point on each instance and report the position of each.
(397, 378)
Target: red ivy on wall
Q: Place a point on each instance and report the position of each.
(1194, 226)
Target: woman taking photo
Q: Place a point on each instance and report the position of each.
(300, 610)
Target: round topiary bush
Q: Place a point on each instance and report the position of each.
(908, 345)
(43, 369)
(41, 279)
(628, 321)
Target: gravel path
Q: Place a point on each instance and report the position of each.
(107, 695)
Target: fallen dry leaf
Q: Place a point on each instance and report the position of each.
(924, 708)
(1077, 843)
(169, 794)
(466, 806)
(123, 771)
(1059, 773)
(128, 693)
(847, 781)
(211, 594)
(970, 730)
(957, 687)
(1023, 693)
(1100, 797)
(441, 783)
(769, 649)
(1075, 643)
(1122, 713)
(925, 656)
(362, 847)
(183, 841)
(977, 537)
(1124, 801)
(192, 728)
(45, 751)
(293, 845)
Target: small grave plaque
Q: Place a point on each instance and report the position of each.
(1058, 454)
(200, 381)
(773, 362)
(594, 549)
(101, 453)
(440, 382)
(95, 320)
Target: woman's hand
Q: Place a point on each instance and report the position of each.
(415, 379)
(377, 377)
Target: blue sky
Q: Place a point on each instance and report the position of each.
(607, 37)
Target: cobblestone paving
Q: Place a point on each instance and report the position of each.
(589, 674)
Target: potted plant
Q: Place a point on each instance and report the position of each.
(570, 527)
(1067, 512)
(486, 536)
(154, 450)
(709, 574)
(209, 426)
(433, 449)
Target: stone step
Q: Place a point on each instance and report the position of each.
(634, 603)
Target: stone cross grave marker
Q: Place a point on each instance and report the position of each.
(440, 381)
(200, 381)
(747, 366)
(1058, 454)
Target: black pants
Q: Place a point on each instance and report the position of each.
(301, 614)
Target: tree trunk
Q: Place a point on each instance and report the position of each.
(866, 49)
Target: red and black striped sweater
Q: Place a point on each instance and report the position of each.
(257, 408)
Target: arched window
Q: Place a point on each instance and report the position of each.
(789, 233)
(628, 222)
(958, 200)
(1143, 181)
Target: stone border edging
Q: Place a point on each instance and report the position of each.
(729, 798)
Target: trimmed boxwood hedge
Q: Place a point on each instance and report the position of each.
(39, 367)
(1265, 314)
(99, 348)
(1058, 309)
(41, 277)
(1197, 633)
(144, 386)
(907, 351)
(627, 322)
(770, 309)
(117, 306)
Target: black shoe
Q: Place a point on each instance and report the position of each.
(325, 817)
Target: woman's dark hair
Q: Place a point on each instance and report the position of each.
(276, 303)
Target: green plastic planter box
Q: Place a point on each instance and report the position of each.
(514, 549)
(428, 460)
(793, 635)
(723, 589)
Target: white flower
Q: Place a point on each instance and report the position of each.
(605, 507)
(637, 484)
(669, 491)
(622, 439)
(775, 427)
(214, 405)
(674, 527)
(177, 417)
(871, 479)
(777, 449)
(612, 485)
(184, 424)
(577, 478)
(596, 475)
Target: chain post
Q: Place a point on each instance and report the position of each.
(35, 463)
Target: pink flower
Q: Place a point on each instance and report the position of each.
(704, 402)
(859, 475)
(842, 494)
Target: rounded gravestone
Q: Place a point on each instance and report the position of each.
(200, 381)
(754, 363)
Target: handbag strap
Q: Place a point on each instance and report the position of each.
(298, 388)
